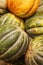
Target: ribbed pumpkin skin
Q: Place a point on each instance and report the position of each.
(11, 19)
(23, 8)
(13, 42)
(34, 25)
(3, 5)
(34, 54)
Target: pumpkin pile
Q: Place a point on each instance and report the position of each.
(21, 32)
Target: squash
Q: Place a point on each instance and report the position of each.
(23, 8)
(3, 6)
(9, 18)
(34, 54)
(34, 26)
(13, 42)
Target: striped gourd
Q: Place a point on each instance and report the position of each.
(11, 19)
(13, 42)
(34, 25)
(34, 54)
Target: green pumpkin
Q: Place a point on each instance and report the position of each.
(13, 42)
(34, 54)
(11, 19)
(3, 6)
(34, 25)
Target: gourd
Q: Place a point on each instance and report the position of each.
(23, 8)
(3, 6)
(34, 54)
(9, 18)
(13, 42)
(34, 25)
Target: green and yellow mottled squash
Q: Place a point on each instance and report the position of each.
(11, 19)
(34, 54)
(34, 25)
(13, 42)
(3, 5)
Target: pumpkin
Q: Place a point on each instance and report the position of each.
(9, 18)
(3, 5)
(34, 54)
(13, 42)
(23, 8)
(34, 25)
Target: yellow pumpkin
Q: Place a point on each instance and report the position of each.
(23, 8)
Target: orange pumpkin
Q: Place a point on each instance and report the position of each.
(23, 8)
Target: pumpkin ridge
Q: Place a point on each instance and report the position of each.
(5, 33)
(16, 56)
(10, 18)
(28, 11)
(10, 44)
(3, 18)
(35, 30)
(3, 55)
(29, 14)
